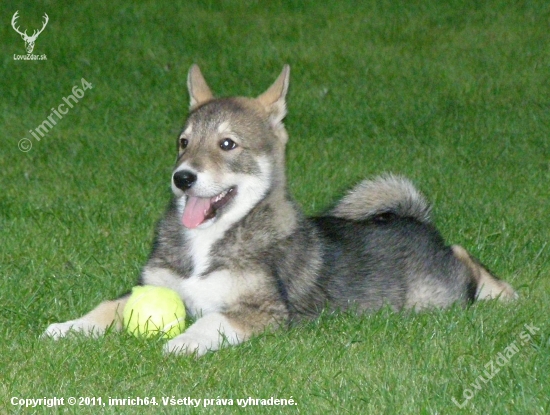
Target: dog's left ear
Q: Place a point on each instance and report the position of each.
(199, 92)
(273, 100)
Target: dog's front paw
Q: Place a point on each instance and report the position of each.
(208, 333)
(59, 330)
(189, 344)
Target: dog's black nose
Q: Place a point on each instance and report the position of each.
(184, 179)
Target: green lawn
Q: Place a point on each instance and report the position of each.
(454, 94)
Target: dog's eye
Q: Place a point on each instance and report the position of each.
(227, 144)
(183, 143)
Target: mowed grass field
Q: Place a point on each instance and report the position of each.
(454, 95)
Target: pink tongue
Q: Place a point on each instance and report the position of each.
(195, 211)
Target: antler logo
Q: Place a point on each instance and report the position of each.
(29, 40)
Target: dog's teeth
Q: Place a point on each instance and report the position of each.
(220, 196)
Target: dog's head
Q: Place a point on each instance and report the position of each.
(230, 153)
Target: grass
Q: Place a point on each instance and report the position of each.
(452, 94)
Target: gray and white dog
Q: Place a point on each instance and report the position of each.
(243, 257)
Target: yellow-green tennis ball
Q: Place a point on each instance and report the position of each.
(154, 310)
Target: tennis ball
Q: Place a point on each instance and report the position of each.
(154, 310)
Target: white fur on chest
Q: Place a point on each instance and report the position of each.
(203, 294)
(210, 293)
(200, 242)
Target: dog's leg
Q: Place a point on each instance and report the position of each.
(207, 333)
(215, 330)
(106, 314)
(488, 286)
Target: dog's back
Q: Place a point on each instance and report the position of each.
(390, 260)
(392, 253)
(402, 257)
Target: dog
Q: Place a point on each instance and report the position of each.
(242, 256)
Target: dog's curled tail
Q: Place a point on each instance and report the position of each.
(387, 194)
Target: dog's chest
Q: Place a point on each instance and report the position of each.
(200, 245)
(213, 292)
(206, 292)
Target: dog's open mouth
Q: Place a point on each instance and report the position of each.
(200, 209)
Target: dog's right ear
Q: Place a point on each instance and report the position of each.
(199, 92)
(274, 99)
